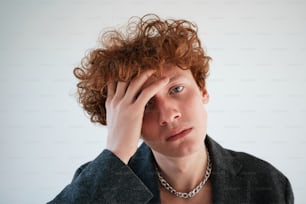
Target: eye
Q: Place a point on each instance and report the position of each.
(176, 89)
(149, 104)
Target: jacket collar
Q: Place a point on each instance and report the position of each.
(224, 169)
(143, 164)
(222, 160)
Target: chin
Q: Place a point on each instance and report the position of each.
(184, 149)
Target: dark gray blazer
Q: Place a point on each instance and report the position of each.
(236, 178)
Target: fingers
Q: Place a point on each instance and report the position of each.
(131, 91)
(116, 89)
(136, 85)
(151, 90)
(121, 89)
(111, 89)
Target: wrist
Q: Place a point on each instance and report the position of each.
(124, 156)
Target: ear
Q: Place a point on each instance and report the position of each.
(205, 96)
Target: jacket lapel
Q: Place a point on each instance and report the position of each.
(143, 164)
(226, 183)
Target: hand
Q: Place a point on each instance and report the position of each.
(125, 105)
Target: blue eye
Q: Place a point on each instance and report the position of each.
(176, 89)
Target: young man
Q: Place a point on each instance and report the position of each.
(149, 83)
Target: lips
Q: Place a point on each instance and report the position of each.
(178, 134)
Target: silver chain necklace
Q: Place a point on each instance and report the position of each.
(193, 192)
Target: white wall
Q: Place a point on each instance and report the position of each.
(257, 81)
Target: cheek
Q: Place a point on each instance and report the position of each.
(194, 102)
(147, 125)
(197, 111)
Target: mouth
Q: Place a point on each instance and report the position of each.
(178, 134)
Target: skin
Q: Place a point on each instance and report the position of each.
(126, 102)
(169, 114)
(177, 106)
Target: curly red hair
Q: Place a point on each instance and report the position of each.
(146, 43)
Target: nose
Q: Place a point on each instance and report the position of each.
(168, 112)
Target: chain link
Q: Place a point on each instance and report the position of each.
(192, 193)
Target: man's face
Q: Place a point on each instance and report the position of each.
(175, 119)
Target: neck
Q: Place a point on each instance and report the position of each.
(189, 169)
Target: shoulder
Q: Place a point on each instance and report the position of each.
(255, 178)
(106, 179)
(260, 169)
(263, 177)
(250, 163)
(236, 161)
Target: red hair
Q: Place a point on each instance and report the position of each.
(146, 43)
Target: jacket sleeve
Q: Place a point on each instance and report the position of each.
(289, 193)
(104, 180)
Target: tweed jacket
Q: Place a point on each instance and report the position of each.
(236, 178)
